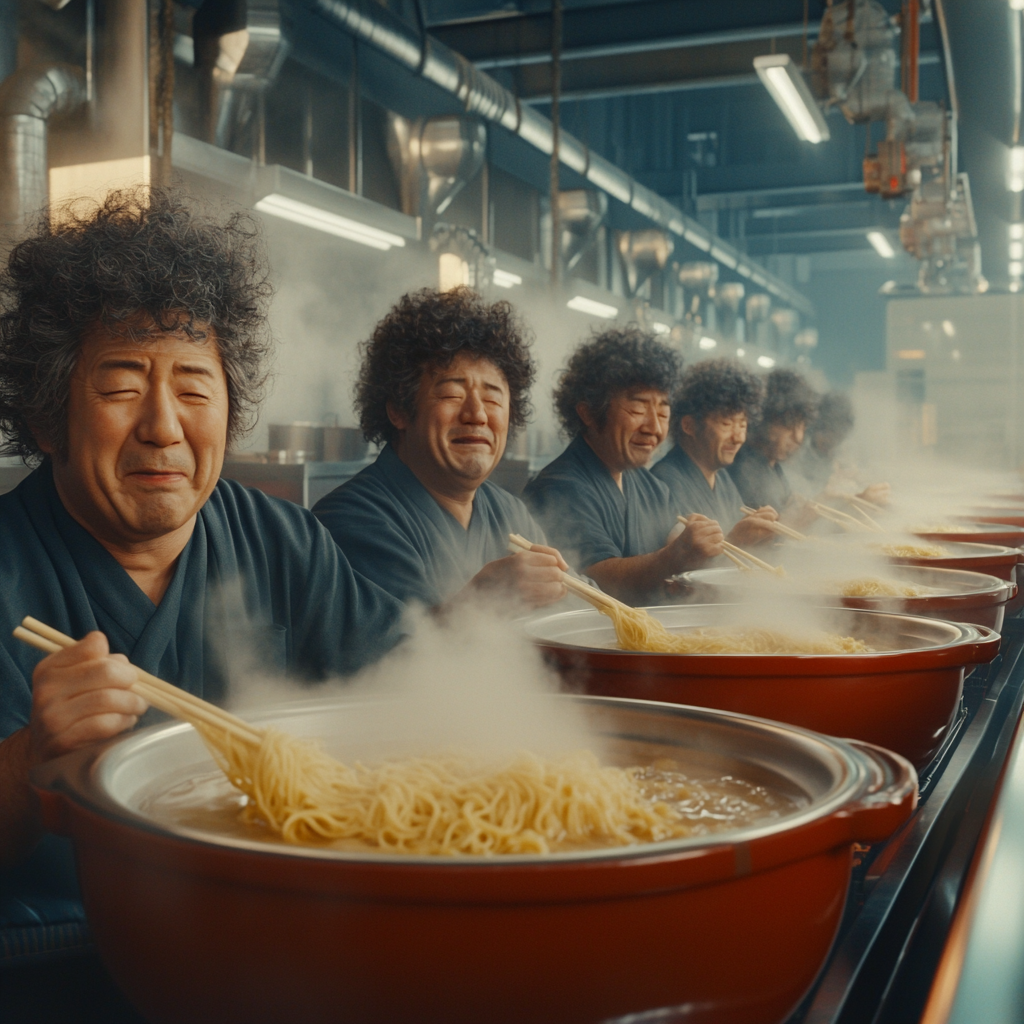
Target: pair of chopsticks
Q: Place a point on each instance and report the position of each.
(774, 526)
(738, 556)
(844, 519)
(598, 598)
(162, 695)
(857, 501)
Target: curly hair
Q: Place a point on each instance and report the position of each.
(835, 416)
(789, 400)
(428, 329)
(721, 386)
(141, 263)
(613, 361)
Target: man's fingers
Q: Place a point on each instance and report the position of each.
(108, 701)
(92, 730)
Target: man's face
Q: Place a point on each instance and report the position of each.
(636, 424)
(714, 441)
(784, 441)
(458, 433)
(147, 429)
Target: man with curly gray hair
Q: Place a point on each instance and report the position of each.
(133, 348)
(598, 501)
(790, 406)
(711, 411)
(444, 379)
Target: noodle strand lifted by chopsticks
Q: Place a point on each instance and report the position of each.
(637, 630)
(453, 804)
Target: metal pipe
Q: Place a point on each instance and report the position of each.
(954, 102)
(371, 23)
(28, 98)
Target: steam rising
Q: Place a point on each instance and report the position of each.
(473, 682)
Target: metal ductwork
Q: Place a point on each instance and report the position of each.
(434, 160)
(239, 49)
(28, 99)
(786, 323)
(698, 280)
(581, 212)
(644, 254)
(758, 311)
(480, 95)
(728, 297)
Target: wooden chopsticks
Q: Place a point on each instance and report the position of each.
(776, 527)
(856, 499)
(598, 598)
(160, 694)
(843, 519)
(737, 553)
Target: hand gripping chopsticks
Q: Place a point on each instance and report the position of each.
(734, 553)
(162, 695)
(776, 527)
(598, 598)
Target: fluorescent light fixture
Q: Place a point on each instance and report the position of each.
(766, 361)
(659, 328)
(324, 220)
(1015, 169)
(740, 353)
(584, 305)
(948, 328)
(1017, 231)
(782, 78)
(707, 344)
(743, 269)
(1017, 5)
(882, 244)
(505, 278)
(1017, 250)
(1016, 269)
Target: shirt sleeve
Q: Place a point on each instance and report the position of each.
(381, 552)
(573, 523)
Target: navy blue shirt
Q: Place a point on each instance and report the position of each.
(394, 532)
(260, 582)
(588, 518)
(758, 482)
(691, 491)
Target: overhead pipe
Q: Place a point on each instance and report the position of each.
(28, 99)
(480, 94)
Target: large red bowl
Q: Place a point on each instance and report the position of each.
(203, 927)
(993, 559)
(978, 532)
(903, 696)
(957, 595)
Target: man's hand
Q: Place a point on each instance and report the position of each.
(877, 494)
(532, 577)
(81, 695)
(754, 528)
(700, 540)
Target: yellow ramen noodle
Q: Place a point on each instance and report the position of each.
(636, 630)
(914, 550)
(874, 586)
(443, 805)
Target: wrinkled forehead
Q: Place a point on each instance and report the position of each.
(641, 393)
(147, 339)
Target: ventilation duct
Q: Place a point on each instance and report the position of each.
(581, 213)
(28, 99)
(239, 49)
(434, 160)
(758, 311)
(644, 254)
(481, 96)
(786, 323)
(728, 297)
(698, 280)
